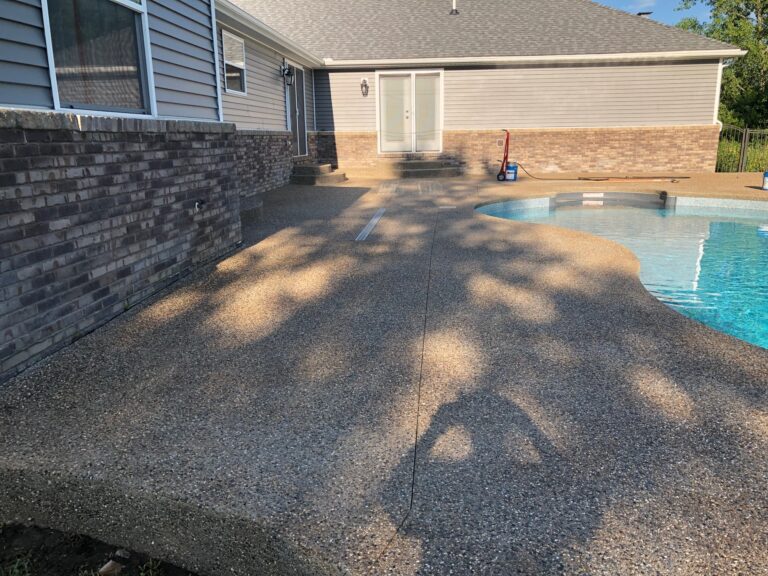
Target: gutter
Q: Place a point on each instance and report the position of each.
(270, 35)
(683, 55)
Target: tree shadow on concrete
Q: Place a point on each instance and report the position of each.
(275, 398)
(573, 424)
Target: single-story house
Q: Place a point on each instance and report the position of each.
(134, 132)
(582, 86)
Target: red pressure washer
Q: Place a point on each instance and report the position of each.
(508, 171)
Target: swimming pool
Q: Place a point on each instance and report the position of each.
(706, 258)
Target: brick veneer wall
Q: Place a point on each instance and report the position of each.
(592, 150)
(584, 150)
(97, 214)
(264, 162)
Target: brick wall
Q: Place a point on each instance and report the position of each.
(345, 149)
(595, 150)
(97, 214)
(584, 150)
(264, 162)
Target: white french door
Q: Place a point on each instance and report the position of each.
(410, 112)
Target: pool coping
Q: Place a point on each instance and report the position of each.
(587, 198)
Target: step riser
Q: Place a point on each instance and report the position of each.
(323, 179)
(432, 173)
(312, 169)
(424, 165)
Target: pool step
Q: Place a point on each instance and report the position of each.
(631, 199)
(316, 175)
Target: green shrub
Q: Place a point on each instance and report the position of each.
(728, 156)
(16, 568)
(728, 153)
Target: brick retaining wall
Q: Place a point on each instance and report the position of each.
(97, 214)
(585, 150)
(264, 162)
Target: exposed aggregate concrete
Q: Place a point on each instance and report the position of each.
(260, 417)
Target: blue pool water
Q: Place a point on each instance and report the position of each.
(710, 264)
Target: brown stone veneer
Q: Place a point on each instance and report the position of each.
(586, 150)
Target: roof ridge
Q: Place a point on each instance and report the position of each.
(652, 22)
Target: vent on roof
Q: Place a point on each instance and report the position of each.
(454, 10)
(644, 14)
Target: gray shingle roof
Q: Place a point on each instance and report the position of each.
(387, 29)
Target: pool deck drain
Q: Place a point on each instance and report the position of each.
(371, 225)
(259, 418)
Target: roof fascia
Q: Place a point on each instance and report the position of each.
(683, 55)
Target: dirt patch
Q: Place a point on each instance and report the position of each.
(33, 551)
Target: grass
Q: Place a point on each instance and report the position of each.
(728, 156)
(19, 567)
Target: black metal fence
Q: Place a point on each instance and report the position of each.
(742, 150)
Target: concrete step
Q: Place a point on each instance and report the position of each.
(424, 164)
(321, 179)
(444, 172)
(310, 169)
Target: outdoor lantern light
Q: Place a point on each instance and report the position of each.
(287, 73)
(364, 87)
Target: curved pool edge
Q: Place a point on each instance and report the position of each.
(744, 331)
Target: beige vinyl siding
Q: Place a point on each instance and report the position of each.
(339, 103)
(542, 97)
(263, 105)
(584, 96)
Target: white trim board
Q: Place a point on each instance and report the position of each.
(554, 59)
(219, 70)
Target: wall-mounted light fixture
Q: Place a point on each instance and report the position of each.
(364, 87)
(287, 73)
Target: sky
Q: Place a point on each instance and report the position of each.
(663, 10)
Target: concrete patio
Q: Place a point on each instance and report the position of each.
(260, 417)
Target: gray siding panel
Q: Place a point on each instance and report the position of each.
(263, 106)
(339, 103)
(589, 96)
(24, 76)
(309, 97)
(181, 34)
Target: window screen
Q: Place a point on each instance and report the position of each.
(234, 63)
(97, 50)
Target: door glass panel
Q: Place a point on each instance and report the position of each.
(97, 47)
(395, 113)
(427, 112)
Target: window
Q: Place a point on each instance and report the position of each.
(98, 55)
(234, 63)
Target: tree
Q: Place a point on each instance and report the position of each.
(743, 23)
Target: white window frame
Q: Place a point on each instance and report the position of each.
(412, 73)
(227, 89)
(141, 9)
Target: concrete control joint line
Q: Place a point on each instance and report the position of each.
(418, 393)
